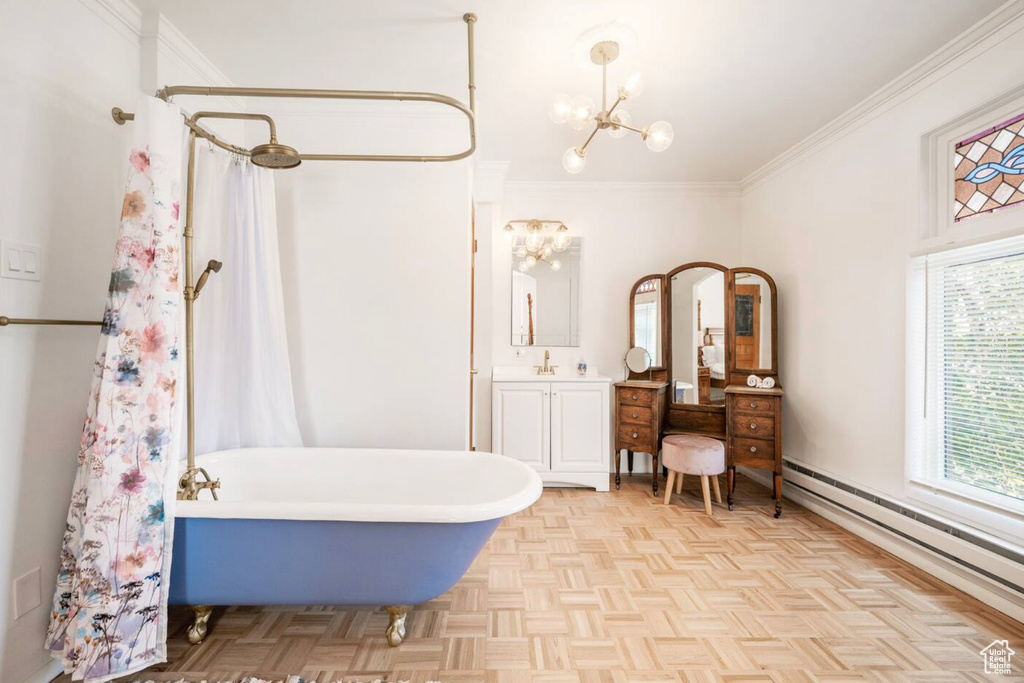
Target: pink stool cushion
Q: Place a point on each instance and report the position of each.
(693, 454)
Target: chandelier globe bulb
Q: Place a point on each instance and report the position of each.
(658, 136)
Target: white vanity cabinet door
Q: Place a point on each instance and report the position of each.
(579, 427)
(521, 422)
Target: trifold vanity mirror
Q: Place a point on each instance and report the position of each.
(707, 329)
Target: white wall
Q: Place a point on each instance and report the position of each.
(835, 228)
(628, 230)
(375, 266)
(62, 68)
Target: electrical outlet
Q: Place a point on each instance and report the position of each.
(27, 593)
(20, 261)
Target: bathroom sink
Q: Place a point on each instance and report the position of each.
(528, 373)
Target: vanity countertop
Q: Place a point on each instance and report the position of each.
(523, 373)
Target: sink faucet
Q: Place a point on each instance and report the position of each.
(546, 369)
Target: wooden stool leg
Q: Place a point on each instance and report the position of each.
(668, 486)
(707, 493)
(718, 491)
(679, 483)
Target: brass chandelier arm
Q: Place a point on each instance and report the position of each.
(583, 147)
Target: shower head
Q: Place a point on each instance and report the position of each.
(275, 155)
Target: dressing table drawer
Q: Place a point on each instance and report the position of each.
(755, 453)
(636, 397)
(753, 405)
(753, 426)
(634, 415)
(636, 438)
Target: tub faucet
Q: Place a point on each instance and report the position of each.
(546, 369)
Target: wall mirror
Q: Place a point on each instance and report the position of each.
(699, 368)
(646, 302)
(753, 304)
(545, 296)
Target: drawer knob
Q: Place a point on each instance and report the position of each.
(753, 449)
(753, 405)
(635, 435)
(753, 426)
(634, 416)
(635, 397)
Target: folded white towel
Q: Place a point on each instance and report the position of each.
(753, 381)
(768, 383)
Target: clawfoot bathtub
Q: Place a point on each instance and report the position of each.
(333, 526)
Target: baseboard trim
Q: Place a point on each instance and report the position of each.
(991, 588)
(46, 672)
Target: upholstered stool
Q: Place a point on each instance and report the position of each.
(698, 455)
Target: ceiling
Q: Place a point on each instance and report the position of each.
(740, 80)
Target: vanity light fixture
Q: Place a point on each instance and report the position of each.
(535, 247)
(579, 112)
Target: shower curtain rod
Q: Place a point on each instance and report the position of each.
(189, 485)
(121, 116)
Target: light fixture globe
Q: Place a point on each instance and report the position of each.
(573, 160)
(534, 241)
(619, 116)
(658, 136)
(633, 86)
(560, 109)
(562, 240)
(530, 262)
(582, 112)
(556, 265)
(521, 251)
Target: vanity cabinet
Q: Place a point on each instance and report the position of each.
(560, 428)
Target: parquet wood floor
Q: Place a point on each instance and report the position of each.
(616, 587)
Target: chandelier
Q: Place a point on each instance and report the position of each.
(579, 112)
(535, 247)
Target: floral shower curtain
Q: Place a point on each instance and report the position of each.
(109, 614)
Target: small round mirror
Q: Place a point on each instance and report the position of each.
(638, 359)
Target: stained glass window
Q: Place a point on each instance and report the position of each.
(989, 170)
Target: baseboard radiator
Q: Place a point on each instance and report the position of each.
(978, 564)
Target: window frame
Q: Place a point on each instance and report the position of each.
(996, 513)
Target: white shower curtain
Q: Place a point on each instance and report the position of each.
(243, 383)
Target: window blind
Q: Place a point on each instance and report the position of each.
(975, 367)
(646, 327)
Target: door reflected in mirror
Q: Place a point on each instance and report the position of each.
(752, 306)
(698, 337)
(647, 316)
(545, 296)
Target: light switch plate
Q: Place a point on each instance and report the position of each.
(27, 593)
(20, 261)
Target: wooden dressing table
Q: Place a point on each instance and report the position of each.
(684, 304)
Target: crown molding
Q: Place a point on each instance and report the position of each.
(121, 15)
(998, 26)
(131, 22)
(646, 190)
(174, 44)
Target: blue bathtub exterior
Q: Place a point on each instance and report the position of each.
(296, 562)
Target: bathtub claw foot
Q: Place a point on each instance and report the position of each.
(396, 625)
(197, 631)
